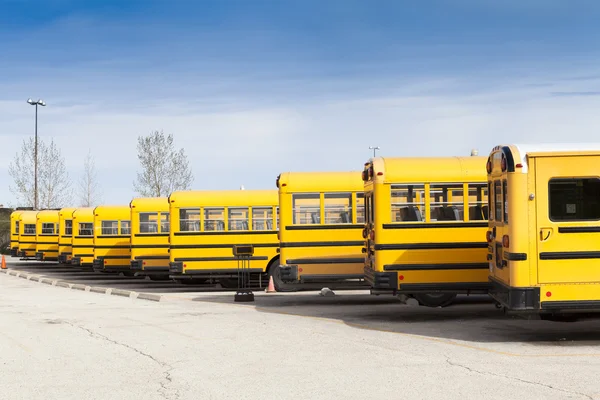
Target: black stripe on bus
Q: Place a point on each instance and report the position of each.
(152, 258)
(151, 234)
(322, 244)
(425, 225)
(252, 258)
(84, 237)
(432, 246)
(323, 227)
(66, 236)
(66, 253)
(431, 267)
(571, 305)
(114, 257)
(579, 229)
(112, 247)
(150, 246)
(64, 244)
(337, 260)
(219, 246)
(569, 255)
(456, 287)
(113, 237)
(225, 233)
(515, 256)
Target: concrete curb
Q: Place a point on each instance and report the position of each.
(95, 289)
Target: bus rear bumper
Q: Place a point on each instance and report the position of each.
(14, 252)
(288, 273)
(39, 256)
(381, 280)
(515, 298)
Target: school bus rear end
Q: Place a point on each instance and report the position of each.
(46, 248)
(65, 238)
(27, 236)
(205, 225)
(112, 239)
(544, 249)
(321, 218)
(14, 232)
(150, 237)
(83, 238)
(425, 227)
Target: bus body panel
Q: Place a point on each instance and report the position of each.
(112, 239)
(83, 237)
(423, 234)
(206, 225)
(150, 235)
(47, 232)
(27, 234)
(14, 232)
(545, 256)
(65, 239)
(326, 249)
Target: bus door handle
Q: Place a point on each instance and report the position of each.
(545, 234)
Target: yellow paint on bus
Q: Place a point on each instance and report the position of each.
(425, 227)
(543, 229)
(321, 222)
(83, 238)
(27, 236)
(150, 237)
(46, 247)
(65, 239)
(112, 239)
(205, 225)
(14, 231)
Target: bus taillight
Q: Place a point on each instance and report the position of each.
(505, 241)
(489, 236)
(373, 235)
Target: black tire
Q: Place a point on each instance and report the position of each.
(274, 272)
(159, 278)
(193, 281)
(435, 299)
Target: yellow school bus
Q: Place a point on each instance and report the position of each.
(112, 239)
(83, 238)
(321, 216)
(46, 246)
(205, 225)
(543, 229)
(27, 237)
(65, 230)
(15, 228)
(425, 227)
(150, 237)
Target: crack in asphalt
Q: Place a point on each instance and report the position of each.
(475, 371)
(164, 390)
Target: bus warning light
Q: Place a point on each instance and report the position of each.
(548, 294)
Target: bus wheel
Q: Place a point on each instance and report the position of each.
(435, 299)
(193, 281)
(159, 277)
(228, 283)
(280, 286)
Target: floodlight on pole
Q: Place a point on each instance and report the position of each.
(374, 148)
(37, 103)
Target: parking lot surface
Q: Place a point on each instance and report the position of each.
(62, 343)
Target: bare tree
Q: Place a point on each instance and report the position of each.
(89, 189)
(53, 180)
(164, 169)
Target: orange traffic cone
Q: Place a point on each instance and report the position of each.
(3, 262)
(271, 287)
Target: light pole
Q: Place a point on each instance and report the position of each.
(40, 102)
(374, 148)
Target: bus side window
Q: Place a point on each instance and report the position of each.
(306, 208)
(109, 227)
(189, 220)
(478, 208)
(446, 202)
(214, 219)
(338, 208)
(360, 208)
(407, 203)
(238, 219)
(262, 218)
(148, 222)
(125, 227)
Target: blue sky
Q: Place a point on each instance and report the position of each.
(254, 88)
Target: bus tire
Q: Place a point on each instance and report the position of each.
(435, 299)
(274, 272)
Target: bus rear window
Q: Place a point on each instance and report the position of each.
(68, 227)
(360, 208)
(498, 201)
(575, 199)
